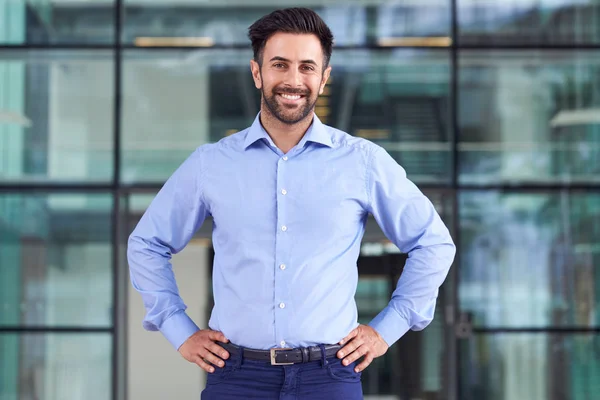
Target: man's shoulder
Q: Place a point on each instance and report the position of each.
(232, 142)
(340, 138)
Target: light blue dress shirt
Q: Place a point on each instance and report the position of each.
(287, 231)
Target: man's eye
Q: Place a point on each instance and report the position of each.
(279, 65)
(308, 68)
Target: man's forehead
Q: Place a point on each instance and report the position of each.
(293, 47)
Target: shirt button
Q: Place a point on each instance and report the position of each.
(281, 305)
(282, 343)
(284, 228)
(283, 191)
(285, 158)
(282, 267)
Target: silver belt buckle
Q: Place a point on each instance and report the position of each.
(274, 354)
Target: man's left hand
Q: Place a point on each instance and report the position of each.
(362, 341)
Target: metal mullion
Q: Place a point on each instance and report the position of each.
(548, 329)
(59, 187)
(526, 187)
(117, 343)
(453, 369)
(373, 47)
(55, 329)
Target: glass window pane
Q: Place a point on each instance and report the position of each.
(386, 22)
(538, 366)
(413, 367)
(176, 101)
(372, 296)
(530, 259)
(55, 366)
(56, 116)
(55, 260)
(57, 22)
(529, 22)
(529, 116)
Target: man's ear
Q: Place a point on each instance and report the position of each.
(255, 68)
(325, 78)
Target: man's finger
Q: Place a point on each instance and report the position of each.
(363, 365)
(352, 334)
(355, 355)
(218, 336)
(211, 358)
(350, 347)
(218, 350)
(202, 364)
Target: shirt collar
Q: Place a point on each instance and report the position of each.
(317, 132)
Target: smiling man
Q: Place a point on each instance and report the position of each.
(289, 198)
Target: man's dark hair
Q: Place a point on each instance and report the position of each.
(290, 20)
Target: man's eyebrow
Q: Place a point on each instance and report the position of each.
(277, 58)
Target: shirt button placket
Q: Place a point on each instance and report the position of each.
(282, 239)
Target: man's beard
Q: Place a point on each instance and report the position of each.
(287, 115)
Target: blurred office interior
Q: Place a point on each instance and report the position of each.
(492, 107)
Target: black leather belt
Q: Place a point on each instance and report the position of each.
(284, 356)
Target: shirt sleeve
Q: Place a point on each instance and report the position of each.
(175, 214)
(411, 222)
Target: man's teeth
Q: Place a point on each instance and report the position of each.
(290, 97)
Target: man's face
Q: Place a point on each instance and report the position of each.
(292, 76)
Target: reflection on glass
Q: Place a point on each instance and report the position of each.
(399, 100)
(56, 116)
(530, 260)
(55, 366)
(372, 296)
(529, 116)
(387, 22)
(176, 101)
(56, 22)
(411, 369)
(166, 101)
(530, 366)
(55, 260)
(528, 21)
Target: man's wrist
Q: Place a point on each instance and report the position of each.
(390, 325)
(178, 328)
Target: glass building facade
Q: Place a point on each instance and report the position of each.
(491, 106)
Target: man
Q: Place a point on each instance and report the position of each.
(289, 198)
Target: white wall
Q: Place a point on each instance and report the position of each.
(155, 369)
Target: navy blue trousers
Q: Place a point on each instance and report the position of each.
(250, 379)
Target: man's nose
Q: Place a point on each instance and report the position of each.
(294, 78)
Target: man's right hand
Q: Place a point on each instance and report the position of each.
(201, 347)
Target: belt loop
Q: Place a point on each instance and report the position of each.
(238, 362)
(323, 356)
(305, 352)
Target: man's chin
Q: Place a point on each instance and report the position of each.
(291, 119)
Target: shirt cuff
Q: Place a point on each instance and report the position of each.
(390, 325)
(178, 328)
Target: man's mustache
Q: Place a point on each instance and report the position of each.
(293, 92)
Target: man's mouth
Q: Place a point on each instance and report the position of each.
(290, 96)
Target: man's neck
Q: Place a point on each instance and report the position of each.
(284, 136)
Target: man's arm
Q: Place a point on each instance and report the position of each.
(411, 222)
(175, 214)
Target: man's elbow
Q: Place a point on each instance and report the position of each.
(136, 247)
